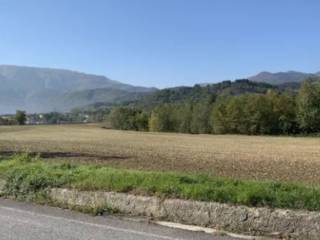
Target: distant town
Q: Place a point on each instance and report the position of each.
(23, 118)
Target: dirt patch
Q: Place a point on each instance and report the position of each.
(66, 155)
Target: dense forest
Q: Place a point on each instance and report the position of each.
(240, 107)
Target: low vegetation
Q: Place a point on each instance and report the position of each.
(28, 176)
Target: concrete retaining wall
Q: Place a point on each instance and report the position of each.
(240, 219)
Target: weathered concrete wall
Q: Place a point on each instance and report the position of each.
(241, 219)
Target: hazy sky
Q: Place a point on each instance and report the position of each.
(162, 42)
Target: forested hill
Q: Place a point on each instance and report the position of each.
(240, 107)
(198, 93)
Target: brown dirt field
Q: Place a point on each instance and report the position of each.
(247, 157)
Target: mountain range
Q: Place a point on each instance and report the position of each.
(282, 77)
(45, 89)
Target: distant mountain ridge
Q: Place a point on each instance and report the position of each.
(282, 77)
(46, 89)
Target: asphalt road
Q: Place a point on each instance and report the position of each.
(28, 221)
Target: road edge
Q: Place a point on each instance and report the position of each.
(275, 223)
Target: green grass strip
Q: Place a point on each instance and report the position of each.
(26, 175)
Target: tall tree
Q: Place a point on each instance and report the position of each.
(201, 116)
(128, 119)
(308, 103)
(184, 117)
(164, 119)
(21, 117)
(284, 112)
(218, 119)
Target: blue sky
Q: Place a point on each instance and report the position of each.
(162, 43)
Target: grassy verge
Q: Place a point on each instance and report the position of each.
(29, 176)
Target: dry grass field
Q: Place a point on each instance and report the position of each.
(247, 157)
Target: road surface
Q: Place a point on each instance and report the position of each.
(19, 221)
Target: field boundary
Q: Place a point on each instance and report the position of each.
(276, 223)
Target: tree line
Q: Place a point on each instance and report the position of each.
(18, 119)
(252, 113)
